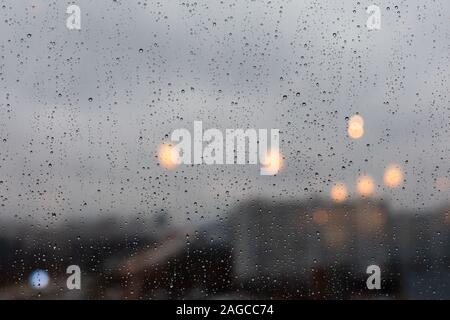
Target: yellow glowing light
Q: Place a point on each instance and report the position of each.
(442, 184)
(371, 221)
(355, 127)
(335, 236)
(273, 162)
(365, 186)
(168, 156)
(320, 216)
(393, 176)
(339, 192)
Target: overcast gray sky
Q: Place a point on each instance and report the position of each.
(82, 113)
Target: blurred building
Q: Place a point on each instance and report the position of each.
(299, 249)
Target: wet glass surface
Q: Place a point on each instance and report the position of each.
(224, 149)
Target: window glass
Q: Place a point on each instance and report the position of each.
(224, 149)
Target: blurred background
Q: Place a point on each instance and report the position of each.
(87, 175)
(312, 249)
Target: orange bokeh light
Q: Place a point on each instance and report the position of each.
(393, 176)
(355, 127)
(339, 192)
(168, 156)
(273, 162)
(365, 186)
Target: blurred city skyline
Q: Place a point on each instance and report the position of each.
(291, 250)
